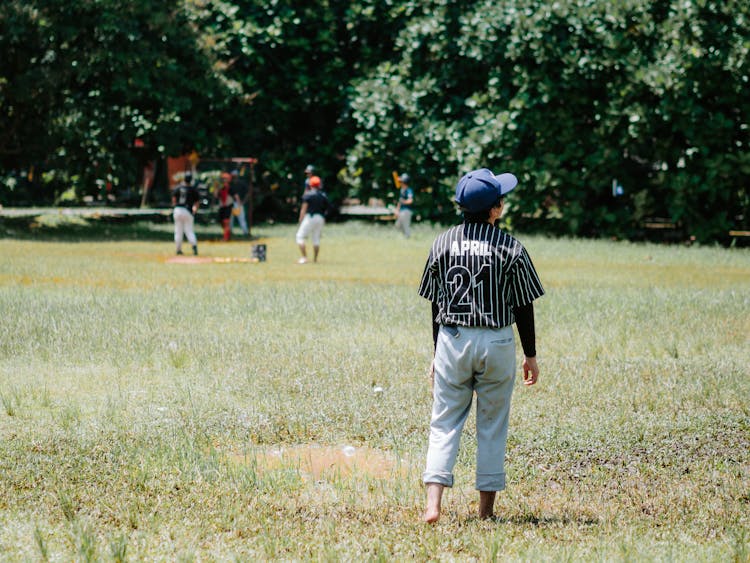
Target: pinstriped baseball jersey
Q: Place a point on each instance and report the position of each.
(476, 274)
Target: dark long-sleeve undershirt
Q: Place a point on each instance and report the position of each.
(524, 323)
(435, 325)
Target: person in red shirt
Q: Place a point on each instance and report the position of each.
(226, 201)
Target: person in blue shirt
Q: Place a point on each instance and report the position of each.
(403, 207)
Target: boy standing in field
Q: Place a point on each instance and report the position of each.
(480, 281)
(311, 219)
(403, 207)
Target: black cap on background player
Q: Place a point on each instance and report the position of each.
(481, 189)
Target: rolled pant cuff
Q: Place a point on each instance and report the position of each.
(490, 482)
(445, 479)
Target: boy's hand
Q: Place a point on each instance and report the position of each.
(530, 371)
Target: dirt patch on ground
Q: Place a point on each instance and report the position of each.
(318, 461)
(189, 260)
(206, 260)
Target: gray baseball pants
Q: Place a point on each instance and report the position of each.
(403, 221)
(469, 360)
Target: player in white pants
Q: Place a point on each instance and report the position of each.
(311, 226)
(183, 226)
(186, 201)
(311, 219)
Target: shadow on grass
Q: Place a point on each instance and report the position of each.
(543, 521)
(84, 229)
(57, 228)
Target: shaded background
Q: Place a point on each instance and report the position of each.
(617, 117)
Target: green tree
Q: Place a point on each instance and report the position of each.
(296, 62)
(569, 96)
(80, 81)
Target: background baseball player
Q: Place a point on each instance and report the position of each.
(240, 194)
(403, 207)
(226, 198)
(309, 173)
(311, 218)
(186, 201)
(480, 281)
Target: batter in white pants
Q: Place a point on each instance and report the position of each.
(468, 360)
(183, 226)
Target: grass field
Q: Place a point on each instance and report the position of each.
(241, 411)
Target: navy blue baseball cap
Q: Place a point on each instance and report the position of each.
(481, 189)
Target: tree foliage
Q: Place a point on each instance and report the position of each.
(81, 80)
(295, 61)
(571, 96)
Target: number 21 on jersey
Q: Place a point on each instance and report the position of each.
(469, 293)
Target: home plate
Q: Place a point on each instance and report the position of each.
(189, 260)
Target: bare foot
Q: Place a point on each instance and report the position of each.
(431, 516)
(486, 504)
(434, 498)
